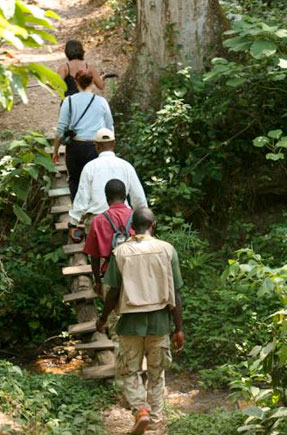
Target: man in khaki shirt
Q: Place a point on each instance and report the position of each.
(144, 276)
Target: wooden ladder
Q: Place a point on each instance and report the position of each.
(82, 293)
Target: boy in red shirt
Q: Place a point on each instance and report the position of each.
(99, 240)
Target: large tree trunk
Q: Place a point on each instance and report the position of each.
(169, 32)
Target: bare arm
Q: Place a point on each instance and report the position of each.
(177, 312)
(96, 267)
(57, 143)
(111, 302)
(178, 336)
(98, 80)
(62, 71)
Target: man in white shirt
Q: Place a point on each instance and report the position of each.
(90, 197)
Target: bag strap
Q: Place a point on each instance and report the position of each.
(129, 224)
(115, 228)
(70, 106)
(85, 111)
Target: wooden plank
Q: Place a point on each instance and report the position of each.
(62, 191)
(58, 209)
(61, 168)
(62, 150)
(99, 372)
(77, 270)
(96, 345)
(82, 328)
(73, 248)
(77, 296)
(61, 226)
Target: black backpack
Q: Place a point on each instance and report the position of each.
(119, 236)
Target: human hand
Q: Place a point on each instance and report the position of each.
(178, 341)
(56, 158)
(76, 234)
(101, 325)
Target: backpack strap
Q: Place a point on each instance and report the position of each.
(129, 224)
(85, 111)
(115, 228)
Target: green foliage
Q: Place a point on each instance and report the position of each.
(33, 308)
(219, 422)
(52, 404)
(222, 322)
(124, 16)
(264, 382)
(21, 25)
(23, 176)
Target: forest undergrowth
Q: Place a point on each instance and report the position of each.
(215, 175)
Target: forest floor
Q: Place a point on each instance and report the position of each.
(105, 49)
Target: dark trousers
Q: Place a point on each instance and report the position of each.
(78, 153)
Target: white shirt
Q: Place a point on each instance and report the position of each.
(91, 198)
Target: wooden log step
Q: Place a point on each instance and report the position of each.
(62, 150)
(61, 226)
(96, 345)
(58, 209)
(62, 191)
(77, 270)
(82, 328)
(61, 168)
(99, 372)
(78, 296)
(73, 248)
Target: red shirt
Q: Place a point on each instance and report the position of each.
(99, 240)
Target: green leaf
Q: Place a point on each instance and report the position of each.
(254, 411)
(20, 188)
(275, 134)
(34, 324)
(21, 215)
(34, 172)
(280, 412)
(255, 351)
(283, 354)
(274, 157)
(266, 350)
(261, 141)
(282, 63)
(281, 33)
(262, 48)
(45, 162)
(236, 82)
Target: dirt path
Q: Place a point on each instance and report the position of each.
(183, 396)
(80, 20)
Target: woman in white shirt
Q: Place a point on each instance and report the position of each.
(84, 113)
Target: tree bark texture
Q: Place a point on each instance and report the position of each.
(171, 32)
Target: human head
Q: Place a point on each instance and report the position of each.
(105, 140)
(115, 191)
(84, 78)
(144, 220)
(74, 50)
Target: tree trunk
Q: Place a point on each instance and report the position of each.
(170, 32)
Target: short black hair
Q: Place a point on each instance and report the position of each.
(115, 189)
(74, 50)
(143, 218)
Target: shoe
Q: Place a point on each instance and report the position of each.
(141, 423)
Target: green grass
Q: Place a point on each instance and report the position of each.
(218, 423)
